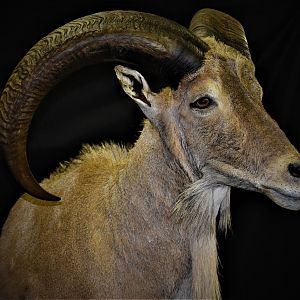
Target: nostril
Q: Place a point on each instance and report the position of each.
(294, 169)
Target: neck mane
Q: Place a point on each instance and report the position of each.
(193, 206)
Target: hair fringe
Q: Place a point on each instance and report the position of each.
(196, 210)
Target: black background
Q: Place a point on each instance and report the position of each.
(259, 257)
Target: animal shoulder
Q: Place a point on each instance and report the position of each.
(96, 165)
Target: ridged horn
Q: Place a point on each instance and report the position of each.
(121, 36)
(209, 22)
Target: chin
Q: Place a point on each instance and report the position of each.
(284, 200)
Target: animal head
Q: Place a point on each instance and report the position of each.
(208, 108)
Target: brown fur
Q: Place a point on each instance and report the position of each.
(114, 234)
(102, 241)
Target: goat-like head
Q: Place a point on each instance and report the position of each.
(214, 123)
(244, 145)
(209, 112)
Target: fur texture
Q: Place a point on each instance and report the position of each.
(141, 223)
(110, 241)
(197, 209)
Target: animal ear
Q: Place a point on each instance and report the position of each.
(137, 88)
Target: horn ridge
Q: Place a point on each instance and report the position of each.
(128, 36)
(209, 22)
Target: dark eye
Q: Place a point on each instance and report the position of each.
(202, 103)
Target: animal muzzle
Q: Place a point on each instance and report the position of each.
(279, 180)
(283, 186)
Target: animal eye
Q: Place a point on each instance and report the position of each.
(202, 103)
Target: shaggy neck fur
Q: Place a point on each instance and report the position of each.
(195, 209)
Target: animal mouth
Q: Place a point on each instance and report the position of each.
(282, 198)
(286, 196)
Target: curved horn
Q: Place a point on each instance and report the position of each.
(124, 36)
(209, 22)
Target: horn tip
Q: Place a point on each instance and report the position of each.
(46, 199)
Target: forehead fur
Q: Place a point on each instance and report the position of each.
(219, 50)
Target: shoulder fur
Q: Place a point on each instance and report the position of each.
(94, 165)
(102, 157)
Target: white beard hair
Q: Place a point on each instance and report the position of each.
(197, 209)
